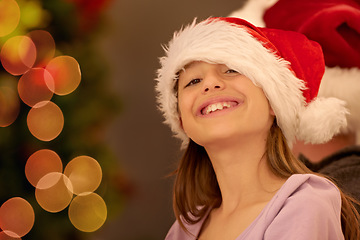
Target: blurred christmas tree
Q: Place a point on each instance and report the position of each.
(75, 25)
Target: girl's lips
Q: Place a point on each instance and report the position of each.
(217, 104)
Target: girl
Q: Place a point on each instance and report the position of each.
(238, 96)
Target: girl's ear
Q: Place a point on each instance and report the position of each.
(272, 111)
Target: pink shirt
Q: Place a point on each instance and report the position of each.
(306, 207)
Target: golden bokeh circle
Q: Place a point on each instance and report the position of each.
(65, 71)
(18, 55)
(45, 122)
(84, 173)
(17, 217)
(53, 192)
(88, 212)
(10, 16)
(41, 163)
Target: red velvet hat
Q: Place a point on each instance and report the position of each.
(335, 24)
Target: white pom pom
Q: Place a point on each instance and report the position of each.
(321, 120)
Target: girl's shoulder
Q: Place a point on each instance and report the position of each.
(305, 189)
(306, 204)
(309, 184)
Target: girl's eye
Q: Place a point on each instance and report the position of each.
(193, 82)
(231, 71)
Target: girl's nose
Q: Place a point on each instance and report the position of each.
(208, 88)
(212, 82)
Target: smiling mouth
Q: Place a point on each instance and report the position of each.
(218, 107)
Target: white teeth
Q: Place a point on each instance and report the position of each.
(217, 106)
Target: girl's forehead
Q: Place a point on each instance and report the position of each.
(191, 65)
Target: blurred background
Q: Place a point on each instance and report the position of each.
(110, 117)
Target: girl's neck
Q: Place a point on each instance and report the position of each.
(243, 173)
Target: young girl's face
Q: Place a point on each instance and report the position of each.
(217, 103)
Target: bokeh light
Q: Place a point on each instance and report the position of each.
(4, 236)
(18, 55)
(45, 122)
(45, 46)
(53, 192)
(9, 101)
(88, 212)
(36, 86)
(41, 163)
(33, 15)
(10, 16)
(84, 173)
(41, 75)
(66, 73)
(17, 217)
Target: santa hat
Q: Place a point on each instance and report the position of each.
(335, 25)
(286, 65)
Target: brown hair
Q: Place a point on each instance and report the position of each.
(196, 184)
